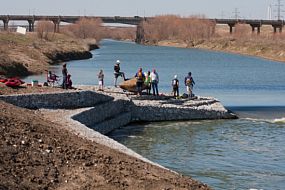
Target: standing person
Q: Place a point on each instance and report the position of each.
(101, 80)
(189, 83)
(117, 72)
(175, 86)
(64, 75)
(140, 80)
(154, 82)
(68, 82)
(147, 82)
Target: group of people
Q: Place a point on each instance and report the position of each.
(66, 78)
(148, 81)
(188, 82)
(52, 78)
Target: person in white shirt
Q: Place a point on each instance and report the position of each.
(154, 78)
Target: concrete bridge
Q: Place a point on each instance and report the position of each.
(31, 19)
(255, 24)
(136, 20)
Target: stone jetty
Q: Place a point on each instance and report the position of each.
(91, 114)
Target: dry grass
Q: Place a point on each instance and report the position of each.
(199, 33)
(26, 54)
(171, 27)
(267, 44)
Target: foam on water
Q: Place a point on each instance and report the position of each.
(281, 120)
(275, 121)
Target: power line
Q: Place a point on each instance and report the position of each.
(236, 14)
(269, 12)
(222, 15)
(279, 10)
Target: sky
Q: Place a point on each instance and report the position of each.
(249, 9)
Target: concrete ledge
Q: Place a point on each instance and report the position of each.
(105, 112)
(173, 110)
(101, 112)
(61, 100)
(114, 123)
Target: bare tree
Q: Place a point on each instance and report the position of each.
(86, 28)
(172, 27)
(44, 28)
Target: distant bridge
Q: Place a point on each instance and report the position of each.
(136, 20)
(255, 24)
(68, 19)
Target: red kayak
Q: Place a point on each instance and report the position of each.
(13, 82)
(3, 80)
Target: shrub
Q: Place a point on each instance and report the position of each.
(44, 29)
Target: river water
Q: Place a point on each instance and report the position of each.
(247, 153)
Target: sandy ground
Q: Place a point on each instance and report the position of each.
(39, 154)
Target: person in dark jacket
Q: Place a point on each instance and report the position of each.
(140, 80)
(189, 83)
(64, 76)
(117, 72)
(175, 86)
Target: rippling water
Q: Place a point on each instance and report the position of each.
(231, 154)
(247, 153)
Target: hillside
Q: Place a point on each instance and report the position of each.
(22, 55)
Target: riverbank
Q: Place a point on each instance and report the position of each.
(22, 55)
(273, 50)
(38, 151)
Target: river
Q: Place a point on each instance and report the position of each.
(247, 153)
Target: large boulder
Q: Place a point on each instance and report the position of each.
(131, 85)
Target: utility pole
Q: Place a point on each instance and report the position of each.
(279, 9)
(222, 15)
(269, 12)
(236, 14)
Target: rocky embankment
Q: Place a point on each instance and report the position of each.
(21, 55)
(39, 154)
(49, 151)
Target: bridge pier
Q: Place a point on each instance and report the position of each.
(253, 26)
(56, 25)
(275, 28)
(231, 25)
(31, 25)
(6, 24)
(139, 34)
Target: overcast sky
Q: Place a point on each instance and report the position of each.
(210, 8)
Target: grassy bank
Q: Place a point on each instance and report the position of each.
(22, 55)
(268, 50)
(272, 50)
(197, 32)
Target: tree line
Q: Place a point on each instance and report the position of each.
(85, 28)
(172, 27)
